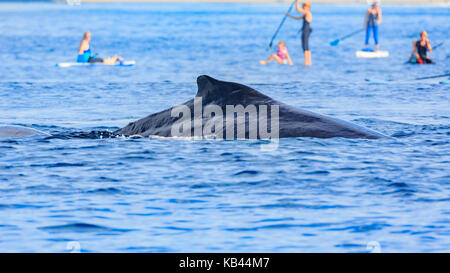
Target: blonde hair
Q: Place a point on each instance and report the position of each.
(307, 4)
(423, 33)
(282, 43)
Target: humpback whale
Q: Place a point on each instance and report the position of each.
(215, 97)
(13, 131)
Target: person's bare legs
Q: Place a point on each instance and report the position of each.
(112, 60)
(272, 57)
(307, 55)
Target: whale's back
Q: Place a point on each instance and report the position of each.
(10, 131)
(293, 122)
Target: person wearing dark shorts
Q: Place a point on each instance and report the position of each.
(95, 60)
(306, 28)
(306, 31)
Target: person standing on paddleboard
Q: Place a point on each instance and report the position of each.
(420, 48)
(371, 22)
(306, 28)
(85, 54)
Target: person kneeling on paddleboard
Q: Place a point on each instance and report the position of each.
(306, 28)
(371, 22)
(420, 48)
(282, 56)
(85, 54)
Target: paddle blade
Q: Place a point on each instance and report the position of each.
(376, 81)
(334, 43)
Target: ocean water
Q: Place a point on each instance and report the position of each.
(165, 195)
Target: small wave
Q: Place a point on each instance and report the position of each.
(362, 228)
(22, 206)
(278, 226)
(351, 245)
(151, 213)
(176, 228)
(398, 185)
(401, 134)
(148, 249)
(201, 186)
(80, 228)
(403, 192)
(109, 190)
(274, 220)
(184, 201)
(58, 165)
(6, 147)
(304, 153)
(319, 172)
(137, 158)
(247, 173)
(107, 179)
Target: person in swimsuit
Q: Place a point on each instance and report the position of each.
(282, 56)
(371, 22)
(85, 54)
(306, 28)
(420, 48)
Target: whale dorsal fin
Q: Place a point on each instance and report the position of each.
(212, 90)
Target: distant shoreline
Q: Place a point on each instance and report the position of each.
(259, 1)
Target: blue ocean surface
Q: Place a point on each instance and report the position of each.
(167, 195)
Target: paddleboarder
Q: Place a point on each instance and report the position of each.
(306, 28)
(371, 22)
(85, 54)
(420, 48)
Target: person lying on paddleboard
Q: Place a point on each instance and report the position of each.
(420, 48)
(282, 56)
(85, 54)
(306, 28)
(371, 22)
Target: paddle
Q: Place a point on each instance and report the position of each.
(440, 44)
(279, 27)
(336, 42)
(416, 79)
(432, 77)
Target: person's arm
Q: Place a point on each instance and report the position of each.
(293, 17)
(429, 46)
(366, 19)
(414, 47)
(380, 16)
(297, 7)
(82, 47)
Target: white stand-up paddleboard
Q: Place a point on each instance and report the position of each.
(124, 63)
(372, 54)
